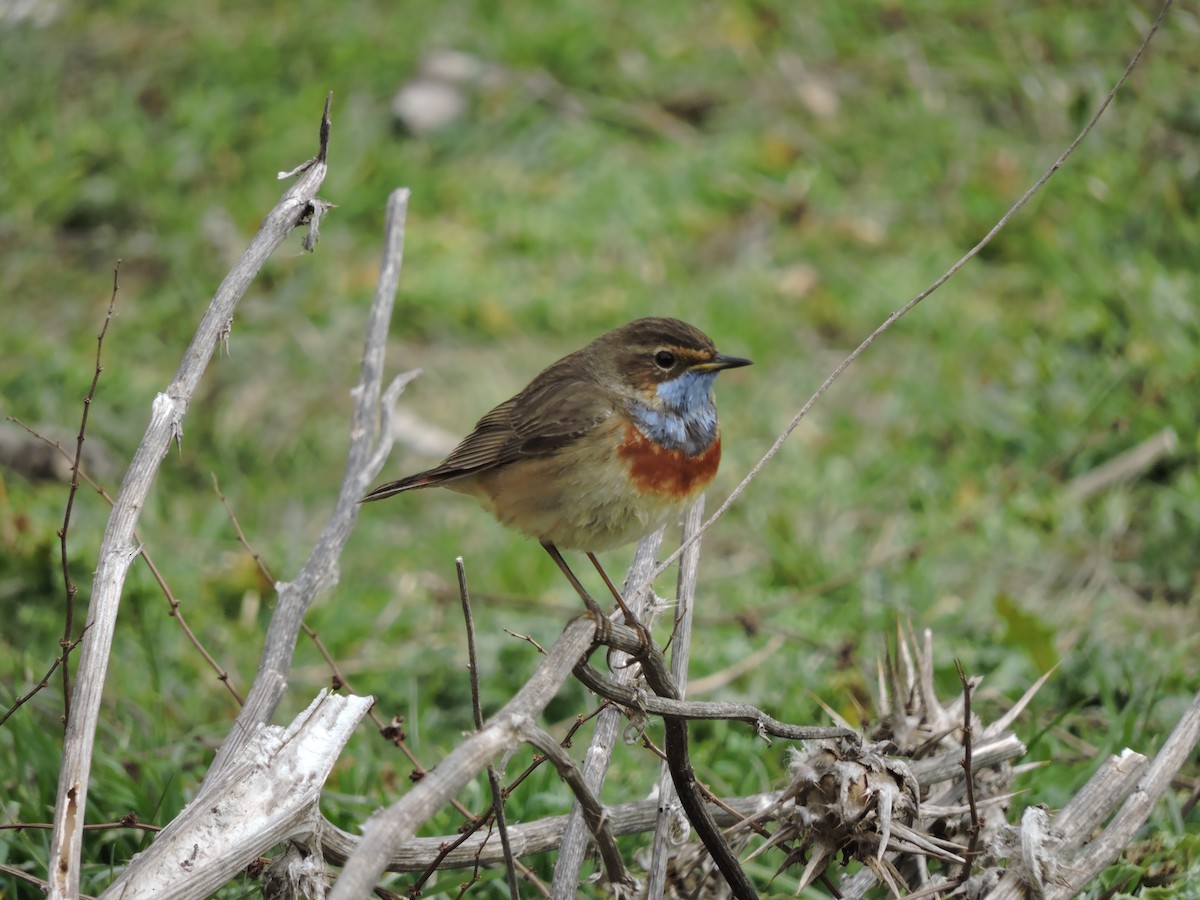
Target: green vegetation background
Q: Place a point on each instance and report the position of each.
(783, 175)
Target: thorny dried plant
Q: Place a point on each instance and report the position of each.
(897, 803)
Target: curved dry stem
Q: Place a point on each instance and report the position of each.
(765, 725)
(907, 307)
(594, 812)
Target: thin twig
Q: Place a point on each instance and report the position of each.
(20, 875)
(593, 810)
(627, 696)
(175, 605)
(976, 826)
(67, 642)
(469, 622)
(129, 821)
(40, 686)
(176, 608)
(654, 668)
(263, 569)
(538, 759)
(907, 307)
(449, 846)
(477, 711)
(528, 639)
(176, 612)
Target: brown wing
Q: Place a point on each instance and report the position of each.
(547, 415)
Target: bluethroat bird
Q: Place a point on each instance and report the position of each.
(602, 448)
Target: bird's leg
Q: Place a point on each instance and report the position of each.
(592, 605)
(630, 619)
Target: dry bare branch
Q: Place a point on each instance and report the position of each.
(176, 606)
(367, 452)
(976, 827)
(117, 549)
(385, 832)
(1128, 777)
(527, 838)
(1125, 467)
(668, 833)
(67, 642)
(594, 812)
(675, 739)
(639, 595)
(613, 689)
(268, 794)
(477, 713)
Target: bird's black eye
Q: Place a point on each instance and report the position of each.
(664, 359)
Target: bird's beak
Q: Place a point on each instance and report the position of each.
(721, 361)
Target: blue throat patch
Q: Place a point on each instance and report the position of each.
(688, 421)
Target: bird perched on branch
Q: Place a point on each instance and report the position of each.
(602, 448)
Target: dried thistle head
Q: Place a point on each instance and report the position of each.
(898, 803)
(844, 799)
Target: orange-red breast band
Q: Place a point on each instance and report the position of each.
(673, 473)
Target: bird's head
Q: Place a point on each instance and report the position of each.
(663, 364)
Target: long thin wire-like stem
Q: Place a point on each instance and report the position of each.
(907, 307)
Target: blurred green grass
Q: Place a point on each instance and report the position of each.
(824, 165)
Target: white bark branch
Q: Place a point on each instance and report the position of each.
(1133, 813)
(369, 446)
(1126, 777)
(117, 549)
(269, 793)
(527, 838)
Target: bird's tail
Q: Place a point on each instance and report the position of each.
(420, 480)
